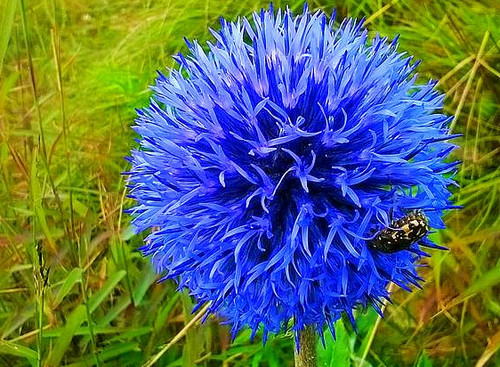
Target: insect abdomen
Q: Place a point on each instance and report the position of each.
(401, 234)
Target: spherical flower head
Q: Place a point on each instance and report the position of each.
(269, 160)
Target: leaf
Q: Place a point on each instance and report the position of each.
(424, 360)
(122, 333)
(131, 333)
(366, 324)
(162, 316)
(75, 276)
(116, 310)
(17, 318)
(37, 197)
(337, 352)
(146, 279)
(257, 358)
(118, 349)
(100, 295)
(78, 316)
(111, 352)
(14, 349)
(9, 10)
(75, 319)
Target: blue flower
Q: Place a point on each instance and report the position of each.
(268, 160)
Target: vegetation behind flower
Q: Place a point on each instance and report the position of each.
(107, 56)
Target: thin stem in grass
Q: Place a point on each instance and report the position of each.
(41, 277)
(306, 354)
(469, 81)
(374, 330)
(40, 271)
(83, 288)
(43, 146)
(57, 61)
(56, 52)
(122, 245)
(151, 362)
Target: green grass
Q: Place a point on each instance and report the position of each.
(74, 290)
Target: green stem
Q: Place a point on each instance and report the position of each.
(305, 353)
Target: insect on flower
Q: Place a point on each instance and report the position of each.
(265, 159)
(402, 233)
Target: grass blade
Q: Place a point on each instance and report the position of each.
(75, 276)
(75, 319)
(9, 10)
(99, 296)
(19, 351)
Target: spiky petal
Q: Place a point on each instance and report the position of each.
(268, 162)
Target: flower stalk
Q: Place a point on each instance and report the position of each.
(306, 351)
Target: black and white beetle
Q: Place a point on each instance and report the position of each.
(401, 234)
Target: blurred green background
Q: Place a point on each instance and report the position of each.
(74, 290)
